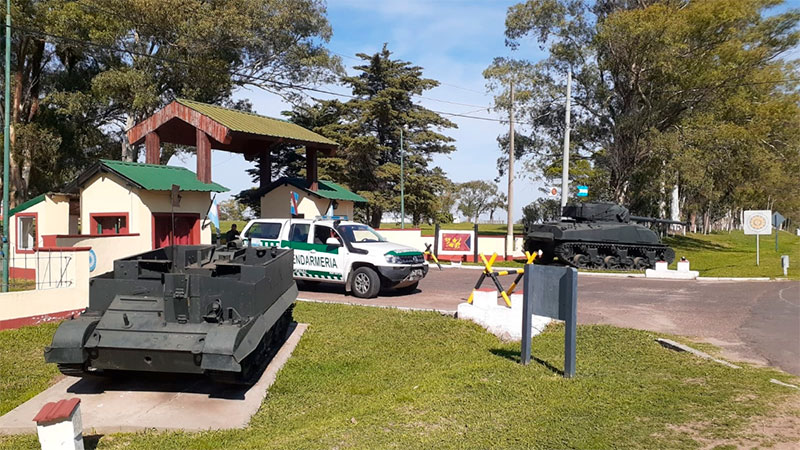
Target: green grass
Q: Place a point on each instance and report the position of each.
(734, 254)
(23, 373)
(725, 255)
(375, 378)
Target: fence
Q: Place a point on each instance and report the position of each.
(42, 269)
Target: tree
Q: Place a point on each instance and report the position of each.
(475, 198)
(84, 72)
(231, 209)
(541, 210)
(368, 128)
(498, 201)
(645, 73)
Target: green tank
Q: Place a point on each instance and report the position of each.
(192, 309)
(599, 235)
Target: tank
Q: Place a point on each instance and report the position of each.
(599, 235)
(191, 309)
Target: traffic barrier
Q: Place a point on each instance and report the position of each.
(488, 271)
(432, 255)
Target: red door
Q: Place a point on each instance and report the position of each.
(187, 229)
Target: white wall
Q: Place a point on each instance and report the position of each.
(39, 304)
(276, 204)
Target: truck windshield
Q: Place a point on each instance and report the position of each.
(360, 233)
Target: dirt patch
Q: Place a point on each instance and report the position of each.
(779, 430)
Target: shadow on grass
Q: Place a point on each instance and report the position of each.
(91, 441)
(689, 243)
(514, 356)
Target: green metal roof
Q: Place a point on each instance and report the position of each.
(325, 189)
(26, 205)
(247, 122)
(154, 177)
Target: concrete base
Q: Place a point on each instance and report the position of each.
(190, 403)
(500, 320)
(671, 274)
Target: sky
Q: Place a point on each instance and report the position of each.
(453, 41)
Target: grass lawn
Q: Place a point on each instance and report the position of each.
(734, 254)
(376, 378)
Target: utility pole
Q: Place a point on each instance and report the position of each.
(6, 146)
(565, 165)
(402, 182)
(510, 219)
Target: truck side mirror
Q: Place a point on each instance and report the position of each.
(333, 241)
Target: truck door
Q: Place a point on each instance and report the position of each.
(298, 241)
(328, 260)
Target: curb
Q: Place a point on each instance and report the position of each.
(445, 312)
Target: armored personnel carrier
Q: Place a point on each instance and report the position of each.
(194, 309)
(599, 235)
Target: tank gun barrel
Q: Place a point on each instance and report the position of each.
(654, 220)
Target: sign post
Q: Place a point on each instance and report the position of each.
(758, 222)
(552, 292)
(777, 221)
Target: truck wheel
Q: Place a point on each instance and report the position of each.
(366, 283)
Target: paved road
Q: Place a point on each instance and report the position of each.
(755, 321)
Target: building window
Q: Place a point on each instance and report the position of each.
(26, 232)
(109, 223)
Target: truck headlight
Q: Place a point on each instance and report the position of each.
(392, 259)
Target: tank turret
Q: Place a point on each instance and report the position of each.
(599, 235)
(185, 309)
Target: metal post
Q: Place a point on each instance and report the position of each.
(565, 163)
(402, 191)
(776, 239)
(758, 249)
(510, 205)
(436, 239)
(6, 147)
(475, 249)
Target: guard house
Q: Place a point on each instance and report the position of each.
(125, 198)
(115, 209)
(293, 197)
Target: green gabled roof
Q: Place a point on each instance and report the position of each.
(325, 189)
(153, 177)
(247, 122)
(22, 207)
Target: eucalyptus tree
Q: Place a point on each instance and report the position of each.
(653, 80)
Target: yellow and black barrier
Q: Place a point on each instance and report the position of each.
(432, 255)
(488, 271)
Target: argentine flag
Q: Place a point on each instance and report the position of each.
(213, 213)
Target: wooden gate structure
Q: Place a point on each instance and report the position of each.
(204, 126)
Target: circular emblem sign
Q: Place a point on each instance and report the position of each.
(92, 261)
(757, 222)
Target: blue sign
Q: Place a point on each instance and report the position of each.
(92, 261)
(583, 191)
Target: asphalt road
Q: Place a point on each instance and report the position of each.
(753, 321)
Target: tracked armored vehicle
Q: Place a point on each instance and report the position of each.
(599, 235)
(193, 309)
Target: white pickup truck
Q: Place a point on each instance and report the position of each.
(341, 251)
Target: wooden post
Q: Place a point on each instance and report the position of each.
(311, 168)
(152, 145)
(265, 174)
(203, 145)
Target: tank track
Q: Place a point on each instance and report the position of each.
(596, 255)
(255, 363)
(79, 370)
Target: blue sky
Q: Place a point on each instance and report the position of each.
(454, 41)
